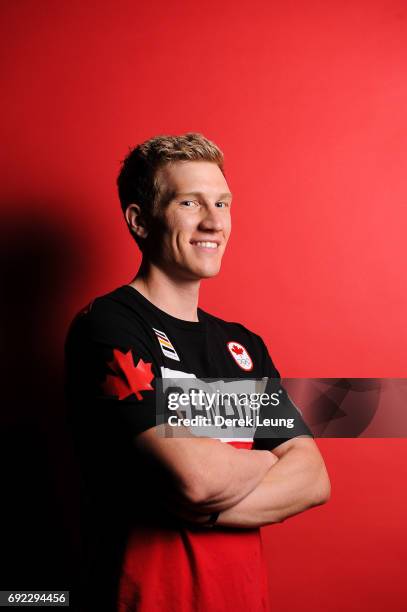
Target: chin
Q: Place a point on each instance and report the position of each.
(208, 272)
(196, 270)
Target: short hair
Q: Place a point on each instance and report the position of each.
(138, 181)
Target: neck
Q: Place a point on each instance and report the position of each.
(178, 298)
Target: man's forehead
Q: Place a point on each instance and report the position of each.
(198, 194)
(194, 178)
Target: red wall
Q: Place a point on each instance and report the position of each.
(308, 101)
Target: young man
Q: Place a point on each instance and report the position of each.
(172, 523)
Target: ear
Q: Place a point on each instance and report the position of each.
(135, 221)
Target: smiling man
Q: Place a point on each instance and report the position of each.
(187, 235)
(171, 522)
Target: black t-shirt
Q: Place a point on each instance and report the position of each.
(116, 350)
(120, 343)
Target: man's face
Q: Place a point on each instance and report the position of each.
(194, 227)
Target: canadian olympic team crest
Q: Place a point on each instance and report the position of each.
(240, 355)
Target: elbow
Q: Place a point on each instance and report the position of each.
(322, 491)
(324, 494)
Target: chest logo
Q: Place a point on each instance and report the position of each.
(166, 346)
(240, 355)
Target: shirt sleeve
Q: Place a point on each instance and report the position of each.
(287, 419)
(110, 375)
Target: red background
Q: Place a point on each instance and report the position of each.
(308, 102)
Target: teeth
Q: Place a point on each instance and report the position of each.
(210, 245)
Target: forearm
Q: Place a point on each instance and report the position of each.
(204, 472)
(177, 504)
(296, 482)
(227, 476)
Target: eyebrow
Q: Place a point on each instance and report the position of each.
(199, 193)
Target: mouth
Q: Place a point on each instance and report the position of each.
(207, 245)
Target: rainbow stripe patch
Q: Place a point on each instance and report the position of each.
(166, 346)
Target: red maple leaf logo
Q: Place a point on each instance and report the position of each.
(237, 350)
(130, 378)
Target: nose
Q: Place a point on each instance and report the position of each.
(212, 219)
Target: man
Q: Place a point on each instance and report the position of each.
(172, 522)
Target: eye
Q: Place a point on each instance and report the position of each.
(222, 204)
(189, 203)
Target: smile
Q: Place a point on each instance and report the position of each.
(205, 244)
